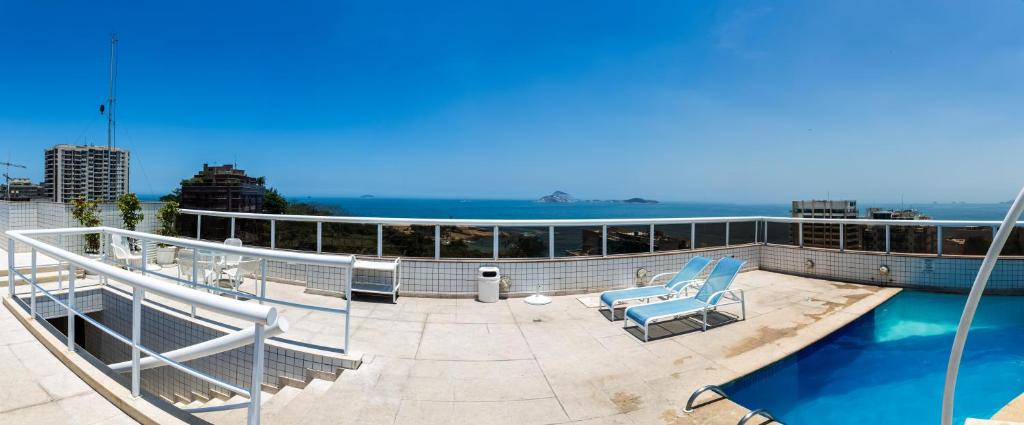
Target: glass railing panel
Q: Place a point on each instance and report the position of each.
(409, 241)
(783, 233)
(821, 235)
(186, 225)
(629, 239)
(467, 242)
(577, 241)
(743, 232)
(973, 240)
(860, 237)
(710, 235)
(295, 235)
(913, 239)
(215, 228)
(672, 237)
(253, 232)
(523, 242)
(347, 238)
(1015, 244)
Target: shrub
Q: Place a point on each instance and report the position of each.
(87, 214)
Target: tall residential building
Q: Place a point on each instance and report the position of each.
(223, 188)
(826, 235)
(89, 172)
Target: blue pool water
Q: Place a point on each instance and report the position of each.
(889, 366)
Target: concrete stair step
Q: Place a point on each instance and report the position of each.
(28, 269)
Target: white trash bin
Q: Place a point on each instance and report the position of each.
(488, 280)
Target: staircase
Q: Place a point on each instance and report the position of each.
(277, 407)
(44, 273)
(216, 396)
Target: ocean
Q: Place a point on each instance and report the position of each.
(529, 209)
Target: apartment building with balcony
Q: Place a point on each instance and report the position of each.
(85, 172)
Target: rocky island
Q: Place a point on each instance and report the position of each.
(559, 197)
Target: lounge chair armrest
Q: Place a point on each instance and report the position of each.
(659, 276)
(728, 293)
(684, 286)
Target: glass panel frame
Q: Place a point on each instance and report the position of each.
(672, 237)
(629, 239)
(349, 238)
(408, 241)
(523, 242)
(577, 241)
(467, 242)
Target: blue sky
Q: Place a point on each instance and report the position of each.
(696, 101)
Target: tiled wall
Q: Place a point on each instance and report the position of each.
(162, 332)
(907, 271)
(51, 215)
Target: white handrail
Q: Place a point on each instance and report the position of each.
(285, 256)
(217, 345)
(250, 312)
(581, 222)
(973, 298)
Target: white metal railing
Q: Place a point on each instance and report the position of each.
(260, 316)
(761, 233)
(207, 249)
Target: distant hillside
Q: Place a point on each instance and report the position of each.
(559, 197)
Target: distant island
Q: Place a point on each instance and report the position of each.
(559, 197)
(366, 197)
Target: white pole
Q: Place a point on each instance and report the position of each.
(71, 309)
(10, 266)
(137, 295)
(257, 375)
(33, 283)
(972, 305)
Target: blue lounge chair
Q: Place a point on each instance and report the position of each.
(708, 298)
(681, 282)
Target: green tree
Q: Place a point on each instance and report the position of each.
(131, 210)
(166, 217)
(274, 203)
(87, 214)
(174, 196)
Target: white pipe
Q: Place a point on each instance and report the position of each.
(238, 309)
(217, 345)
(583, 222)
(972, 305)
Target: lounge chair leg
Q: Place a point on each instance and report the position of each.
(705, 321)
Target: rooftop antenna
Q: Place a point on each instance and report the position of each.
(111, 103)
(7, 177)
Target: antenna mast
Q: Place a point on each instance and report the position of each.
(111, 102)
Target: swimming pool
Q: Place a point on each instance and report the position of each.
(889, 366)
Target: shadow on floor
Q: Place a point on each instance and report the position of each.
(681, 326)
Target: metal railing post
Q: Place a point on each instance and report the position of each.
(232, 227)
(199, 226)
(380, 240)
(800, 233)
(263, 279)
(257, 374)
(32, 284)
(842, 237)
(650, 234)
(888, 246)
(727, 233)
(145, 256)
(137, 295)
(10, 266)
(495, 242)
(195, 275)
(765, 241)
(348, 301)
(551, 241)
(273, 234)
(437, 241)
(71, 309)
(319, 237)
(604, 240)
(938, 241)
(693, 235)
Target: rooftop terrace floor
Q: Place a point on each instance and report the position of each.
(454, 361)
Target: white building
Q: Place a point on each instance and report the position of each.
(90, 172)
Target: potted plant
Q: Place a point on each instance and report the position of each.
(166, 217)
(131, 215)
(87, 214)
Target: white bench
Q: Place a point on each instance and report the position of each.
(376, 286)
